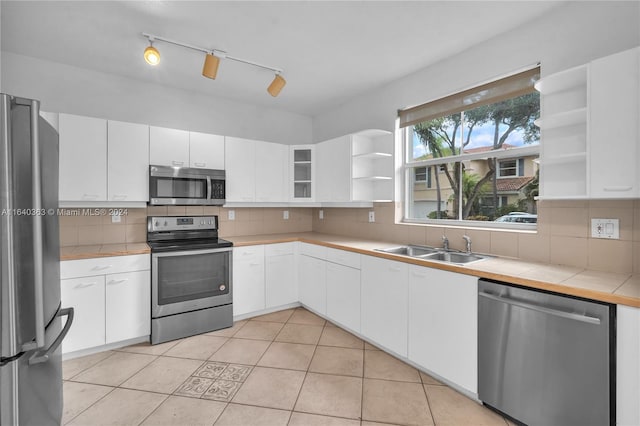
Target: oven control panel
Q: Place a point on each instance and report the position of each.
(182, 223)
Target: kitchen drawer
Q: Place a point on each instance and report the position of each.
(313, 250)
(279, 249)
(343, 257)
(104, 265)
(249, 254)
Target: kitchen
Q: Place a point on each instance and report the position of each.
(272, 231)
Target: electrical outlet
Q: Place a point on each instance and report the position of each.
(116, 218)
(372, 216)
(232, 215)
(605, 228)
(285, 214)
(321, 214)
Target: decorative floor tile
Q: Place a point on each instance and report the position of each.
(236, 373)
(194, 387)
(211, 370)
(222, 390)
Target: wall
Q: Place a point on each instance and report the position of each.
(85, 229)
(563, 236)
(568, 36)
(64, 88)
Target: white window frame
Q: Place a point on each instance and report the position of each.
(516, 168)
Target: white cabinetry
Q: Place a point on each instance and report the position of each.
(83, 158)
(333, 159)
(627, 366)
(443, 324)
(110, 297)
(248, 279)
(256, 171)
(372, 166)
(168, 147)
(206, 151)
(280, 275)
(128, 162)
(181, 148)
(614, 97)
(384, 288)
(589, 130)
(312, 288)
(343, 288)
(302, 173)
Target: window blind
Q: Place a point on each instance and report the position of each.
(496, 91)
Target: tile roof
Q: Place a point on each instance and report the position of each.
(513, 184)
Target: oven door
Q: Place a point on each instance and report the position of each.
(188, 280)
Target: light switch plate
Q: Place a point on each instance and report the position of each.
(232, 215)
(605, 228)
(116, 218)
(321, 214)
(285, 214)
(372, 216)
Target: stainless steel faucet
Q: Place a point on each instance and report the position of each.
(445, 242)
(468, 241)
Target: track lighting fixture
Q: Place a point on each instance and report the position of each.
(211, 61)
(151, 54)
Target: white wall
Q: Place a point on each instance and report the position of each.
(64, 88)
(571, 35)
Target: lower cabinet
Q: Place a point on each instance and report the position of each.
(111, 300)
(443, 324)
(248, 279)
(280, 275)
(312, 285)
(343, 288)
(384, 286)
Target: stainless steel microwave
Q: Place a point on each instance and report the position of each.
(185, 186)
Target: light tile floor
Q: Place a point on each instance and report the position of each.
(286, 368)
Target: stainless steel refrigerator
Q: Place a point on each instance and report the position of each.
(31, 320)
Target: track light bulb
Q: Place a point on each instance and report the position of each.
(276, 85)
(151, 55)
(210, 68)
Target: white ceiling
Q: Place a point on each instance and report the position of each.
(329, 51)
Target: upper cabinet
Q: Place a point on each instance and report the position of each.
(127, 161)
(181, 148)
(590, 130)
(257, 171)
(356, 168)
(83, 158)
(614, 94)
(303, 170)
(102, 161)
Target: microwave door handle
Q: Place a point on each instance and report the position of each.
(209, 189)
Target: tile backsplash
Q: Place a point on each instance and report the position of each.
(563, 235)
(85, 227)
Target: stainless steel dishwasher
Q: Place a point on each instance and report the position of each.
(546, 359)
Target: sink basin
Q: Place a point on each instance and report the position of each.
(451, 257)
(410, 250)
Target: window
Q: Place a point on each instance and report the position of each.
(484, 145)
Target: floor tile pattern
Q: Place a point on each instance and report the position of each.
(284, 368)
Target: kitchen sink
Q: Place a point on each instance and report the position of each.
(410, 250)
(454, 257)
(431, 253)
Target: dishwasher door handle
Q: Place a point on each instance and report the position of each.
(562, 314)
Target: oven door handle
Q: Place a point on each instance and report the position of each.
(192, 252)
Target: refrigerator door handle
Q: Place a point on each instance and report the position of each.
(38, 274)
(43, 356)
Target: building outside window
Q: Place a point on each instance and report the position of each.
(485, 146)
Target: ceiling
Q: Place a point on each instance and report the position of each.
(330, 51)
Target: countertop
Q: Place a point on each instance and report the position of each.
(608, 287)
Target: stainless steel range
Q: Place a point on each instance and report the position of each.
(191, 278)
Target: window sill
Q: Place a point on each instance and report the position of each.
(522, 228)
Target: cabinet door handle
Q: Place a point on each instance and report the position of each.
(85, 285)
(617, 188)
(113, 282)
(89, 196)
(119, 197)
(254, 264)
(101, 268)
(394, 269)
(177, 163)
(418, 274)
(200, 164)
